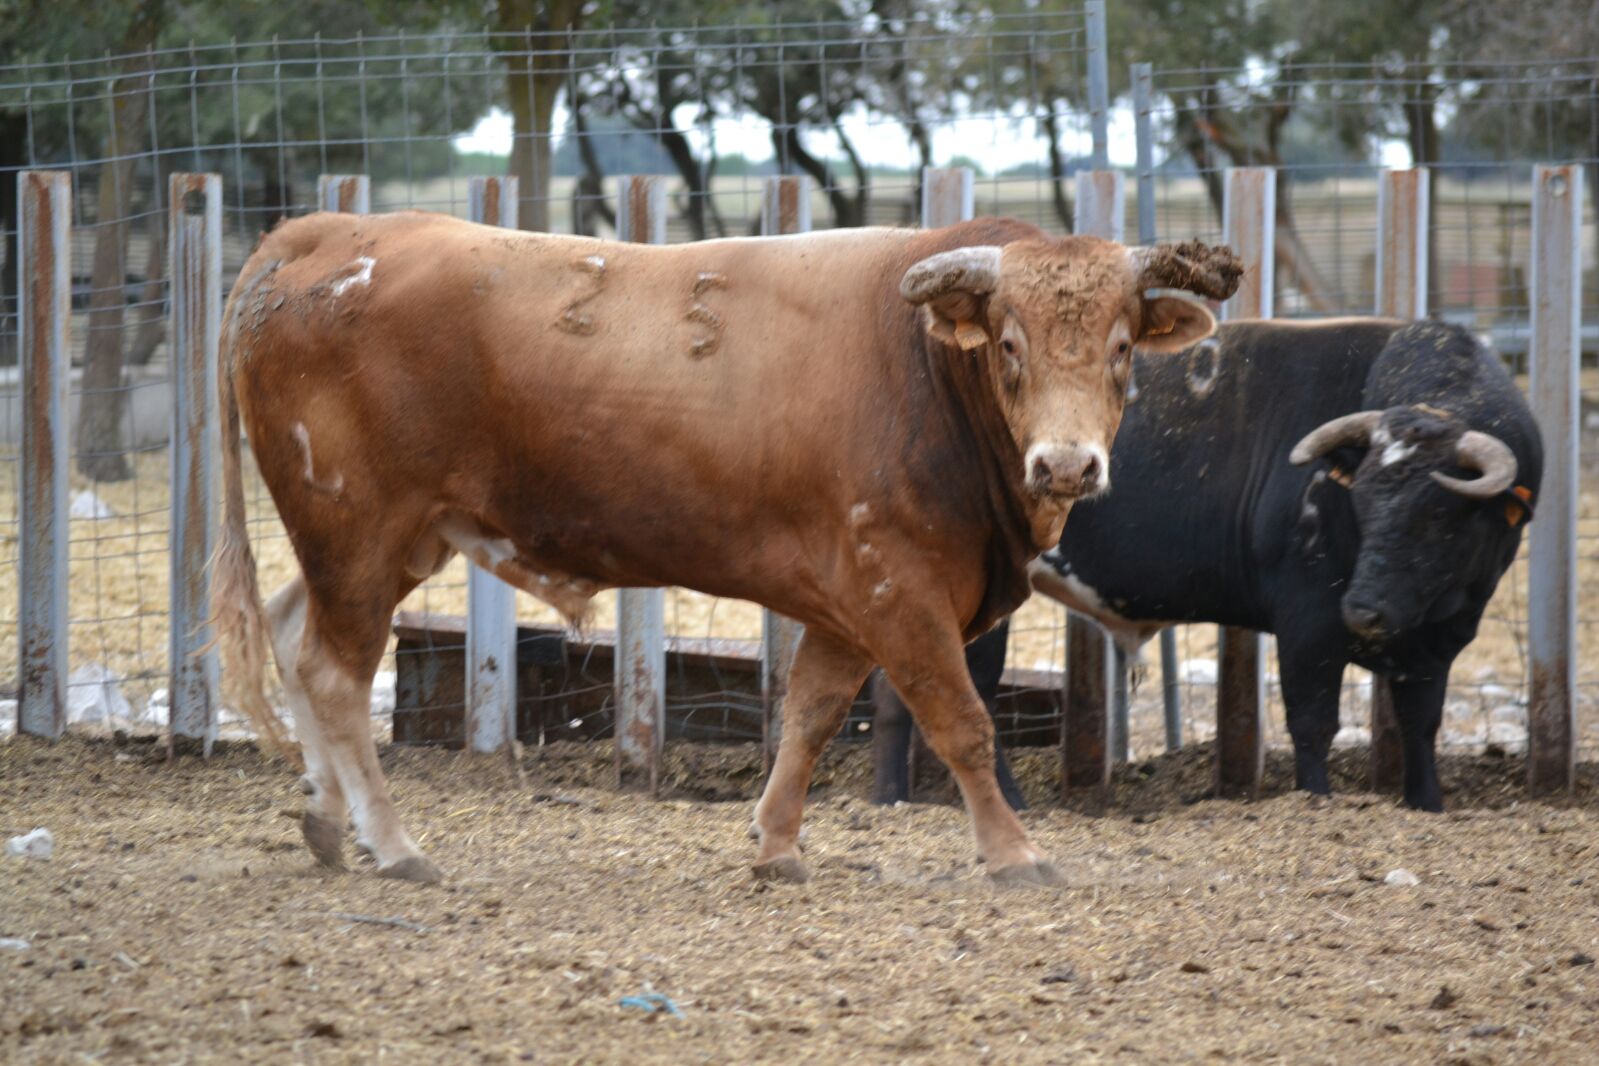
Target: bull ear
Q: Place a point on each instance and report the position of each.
(1173, 320)
(955, 286)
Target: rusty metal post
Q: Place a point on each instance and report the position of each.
(1249, 214)
(1402, 221)
(946, 196)
(349, 193)
(640, 613)
(490, 602)
(1556, 278)
(1093, 724)
(785, 208)
(44, 313)
(194, 246)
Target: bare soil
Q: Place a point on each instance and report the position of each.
(181, 920)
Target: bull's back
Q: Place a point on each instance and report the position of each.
(1203, 497)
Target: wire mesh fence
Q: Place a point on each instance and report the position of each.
(861, 106)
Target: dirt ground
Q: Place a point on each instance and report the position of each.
(181, 920)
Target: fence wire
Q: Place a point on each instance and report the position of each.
(860, 106)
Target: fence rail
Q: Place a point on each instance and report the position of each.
(372, 124)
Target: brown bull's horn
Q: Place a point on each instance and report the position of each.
(1212, 271)
(1490, 457)
(1354, 430)
(972, 270)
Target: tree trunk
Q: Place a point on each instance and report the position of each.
(13, 154)
(535, 73)
(101, 452)
(151, 315)
(1057, 171)
(682, 156)
(786, 142)
(588, 194)
(863, 177)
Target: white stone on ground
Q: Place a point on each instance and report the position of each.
(1197, 671)
(1401, 877)
(38, 844)
(1352, 736)
(94, 695)
(87, 505)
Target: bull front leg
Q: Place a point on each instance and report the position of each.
(1419, 706)
(932, 676)
(822, 684)
(1311, 683)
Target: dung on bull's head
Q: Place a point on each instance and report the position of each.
(1058, 319)
(1437, 506)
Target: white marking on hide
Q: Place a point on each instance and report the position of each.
(596, 261)
(1380, 436)
(1397, 452)
(332, 486)
(363, 275)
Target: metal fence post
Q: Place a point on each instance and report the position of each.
(44, 314)
(490, 602)
(640, 613)
(1556, 297)
(349, 193)
(1142, 76)
(1098, 82)
(946, 196)
(785, 208)
(1093, 727)
(1249, 210)
(1402, 220)
(194, 247)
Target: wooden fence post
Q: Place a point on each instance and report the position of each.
(946, 196)
(1556, 283)
(490, 602)
(785, 208)
(350, 193)
(1402, 220)
(194, 248)
(640, 613)
(1092, 741)
(44, 314)
(1249, 223)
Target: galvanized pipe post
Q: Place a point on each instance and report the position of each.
(640, 613)
(1556, 283)
(349, 193)
(44, 313)
(785, 208)
(1093, 725)
(1402, 220)
(194, 248)
(490, 602)
(1098, 82)
(1249, 214)
(1143, 81)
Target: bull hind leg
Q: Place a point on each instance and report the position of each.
(326, 810)
(933, 679)
(822, 684)
(339, 652)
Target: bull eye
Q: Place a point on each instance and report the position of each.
(1123, 348)
(1008, 346)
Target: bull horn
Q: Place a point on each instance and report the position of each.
(1212, 271)
(973, 270)
(1354, 430)
(1490, 457)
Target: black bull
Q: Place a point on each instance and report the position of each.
(1356, 487)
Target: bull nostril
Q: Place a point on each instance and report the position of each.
(1363, 620)
(1090, 473)
(1041, 474)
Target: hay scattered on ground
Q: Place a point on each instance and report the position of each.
(181, 920)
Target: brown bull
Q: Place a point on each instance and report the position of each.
(870, 431)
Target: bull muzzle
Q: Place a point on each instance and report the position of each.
(1067, 471)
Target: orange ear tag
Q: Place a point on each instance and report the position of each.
(1516, 513)
(970, 335)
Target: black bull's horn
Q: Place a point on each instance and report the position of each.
(1491, 457)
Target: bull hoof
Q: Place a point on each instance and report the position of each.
(784, 868)
(1028, 873)
(325, 839)
(418, 868)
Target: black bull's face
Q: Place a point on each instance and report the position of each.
(1435, 508)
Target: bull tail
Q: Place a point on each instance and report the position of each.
(238, 617)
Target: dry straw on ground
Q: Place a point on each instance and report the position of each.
(181, 920)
